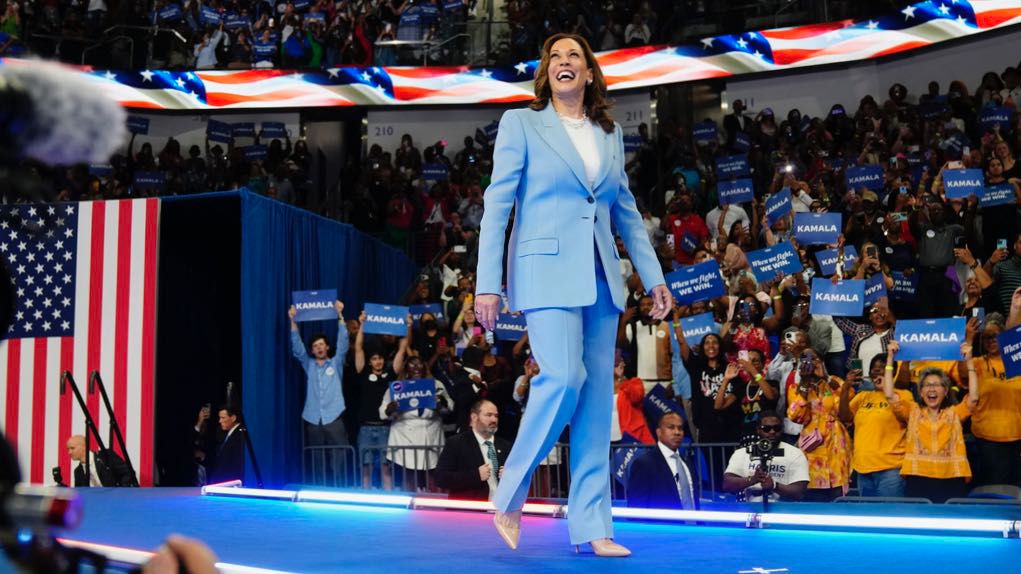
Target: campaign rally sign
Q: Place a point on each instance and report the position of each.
(696, 282)
(827, 259)
(704, 132)
(729, 167)
(697, 326)
(243, 130)
(510, 327)
(274, 130)
(100, 169)
(632, 143)
(490, 130)
(996, 116)
(656, 405)
(434, 172)
(315, 305)
(414, 394)
(960, 183)
(418, 310)
(170, 13)
(904, 287)
(255, 152)
(930, 339)
(210, 16)
(264, 50)
(868, 176)
(1010, 351)
(219, 131)
(817, 228)
(233, 21)
(778, 205)
(689, 243)
(999, 194)
(780, 258)
(933, 109)
(301, 5)
(735, 191)
(742, 142)
(841, 299)
(316, 17)
(150, 180)
(623, 455)
(875, 288)
(138, 125)
(386, 319)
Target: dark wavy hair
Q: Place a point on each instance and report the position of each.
(596, 105)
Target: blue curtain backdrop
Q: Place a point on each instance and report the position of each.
(285, 249)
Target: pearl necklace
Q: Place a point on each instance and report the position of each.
(574, 123)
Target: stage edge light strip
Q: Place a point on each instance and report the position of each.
(889, 522)
(240, 492)
(1005, 527)
(388, 500)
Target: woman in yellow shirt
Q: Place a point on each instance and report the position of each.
(878, 435)
(813, 402)
(935, 463)
(996, 419)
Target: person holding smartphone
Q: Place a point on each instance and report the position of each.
(1005, 267)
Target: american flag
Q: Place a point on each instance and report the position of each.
(916, 26)
(85, 278)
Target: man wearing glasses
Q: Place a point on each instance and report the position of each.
(787, 475)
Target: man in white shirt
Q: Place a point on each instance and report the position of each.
(659, 477)
(730, 214)
(105, 467)
(787, 475)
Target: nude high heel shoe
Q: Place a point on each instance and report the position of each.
(606, 548)
(508, 526)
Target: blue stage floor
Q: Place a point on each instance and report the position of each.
(310, 537)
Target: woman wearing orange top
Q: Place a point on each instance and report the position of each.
(996, 419)
(628, 398)
(935, 464)
(824, 439)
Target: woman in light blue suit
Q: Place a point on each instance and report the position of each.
(560, 165)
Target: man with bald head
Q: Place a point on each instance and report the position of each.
(105, 467)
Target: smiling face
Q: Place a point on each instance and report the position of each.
(933, 389)
(568, 70)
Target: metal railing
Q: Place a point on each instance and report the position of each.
(409, 468)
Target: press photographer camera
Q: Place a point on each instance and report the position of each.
(764, 468)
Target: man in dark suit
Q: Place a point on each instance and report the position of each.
(472, 462)
(230, 453)
(105, 467)
(659, 477)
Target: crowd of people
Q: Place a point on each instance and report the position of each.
(317, 34)
(322, 33)
(862, 418)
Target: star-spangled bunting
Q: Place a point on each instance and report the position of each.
(40, 248)
(918, 25)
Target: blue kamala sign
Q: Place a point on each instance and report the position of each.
(315, 305)
(930, 339)
(817, 228)
(844, 298)
(386, 319)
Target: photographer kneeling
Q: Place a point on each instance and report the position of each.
(767, 465)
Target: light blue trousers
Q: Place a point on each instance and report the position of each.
(574, 348)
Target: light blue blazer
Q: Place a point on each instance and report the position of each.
(558, 217)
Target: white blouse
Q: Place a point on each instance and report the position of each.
(583, 135)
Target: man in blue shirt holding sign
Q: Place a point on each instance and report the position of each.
(324, 399)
